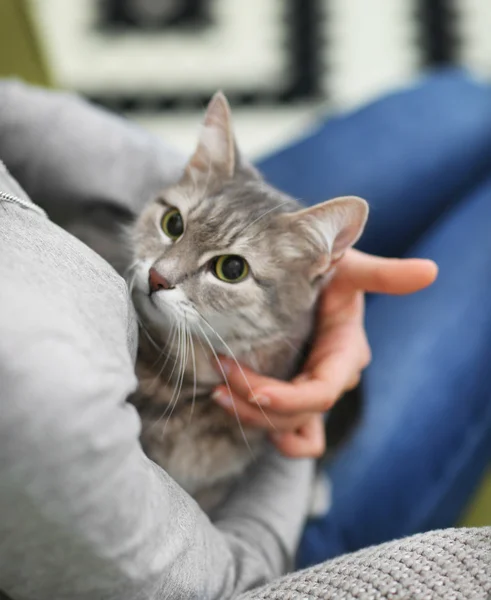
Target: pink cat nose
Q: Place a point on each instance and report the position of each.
(157, 282)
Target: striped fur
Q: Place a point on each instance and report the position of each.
(265, 321)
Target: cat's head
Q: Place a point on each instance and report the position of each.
(222, 248)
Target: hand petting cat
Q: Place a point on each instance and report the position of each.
(293, 411)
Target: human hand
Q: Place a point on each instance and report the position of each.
(293, 411)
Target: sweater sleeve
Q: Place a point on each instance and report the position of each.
(84, 514)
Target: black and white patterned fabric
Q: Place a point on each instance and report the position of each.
(280, 62)
(140, 55)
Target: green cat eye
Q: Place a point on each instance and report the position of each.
(172, 224)
(230, 268)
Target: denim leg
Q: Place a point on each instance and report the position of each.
(425, 437)
(411, 154)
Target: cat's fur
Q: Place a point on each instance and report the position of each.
(265, 321)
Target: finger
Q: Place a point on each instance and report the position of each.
(243, 381)
(291, 398)
(328, 374)
(343, 334)
(307, 442)
(315, 395)
(331, 369)
(376, 274)
(255, 416)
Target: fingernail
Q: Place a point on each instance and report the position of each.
(225, 366)
(222, 398)
(261, 400)
(222, 366)
(301, 378)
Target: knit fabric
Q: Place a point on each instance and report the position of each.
(451, 564)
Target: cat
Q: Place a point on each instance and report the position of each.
(222, 263)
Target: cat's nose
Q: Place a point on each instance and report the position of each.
(157, 282)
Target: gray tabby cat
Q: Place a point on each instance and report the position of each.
(223, 264)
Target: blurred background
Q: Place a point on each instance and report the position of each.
(279, 61)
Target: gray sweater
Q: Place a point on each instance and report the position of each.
(84, 514)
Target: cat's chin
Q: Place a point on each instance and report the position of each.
(151, 313)
(163, 311)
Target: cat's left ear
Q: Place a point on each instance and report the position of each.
(333, 226)
(216, 150)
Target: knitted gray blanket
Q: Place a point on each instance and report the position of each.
(452, 564)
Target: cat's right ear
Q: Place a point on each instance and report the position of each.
(330, 228)
(216, 150)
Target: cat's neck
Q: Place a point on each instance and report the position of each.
(169, 357)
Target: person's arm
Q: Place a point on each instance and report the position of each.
(84, 513)
(65, 151)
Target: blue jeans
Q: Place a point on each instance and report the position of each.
(422, 158)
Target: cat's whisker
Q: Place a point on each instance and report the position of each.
(130, 281)
(170, 344)
(293, 347)
(169, 409)
(169, 379)
(266, 213)
(161, 370)
(182, 371)
(131, 266)
(193, 356)
(147, 333)
(130, 275)
(224, 375)
(178, 363)
(185, 358)
(177, 356)
(233, 357)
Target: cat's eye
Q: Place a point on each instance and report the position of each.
(172, 224)
(230, 268)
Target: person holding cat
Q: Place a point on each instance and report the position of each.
(90, 516)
